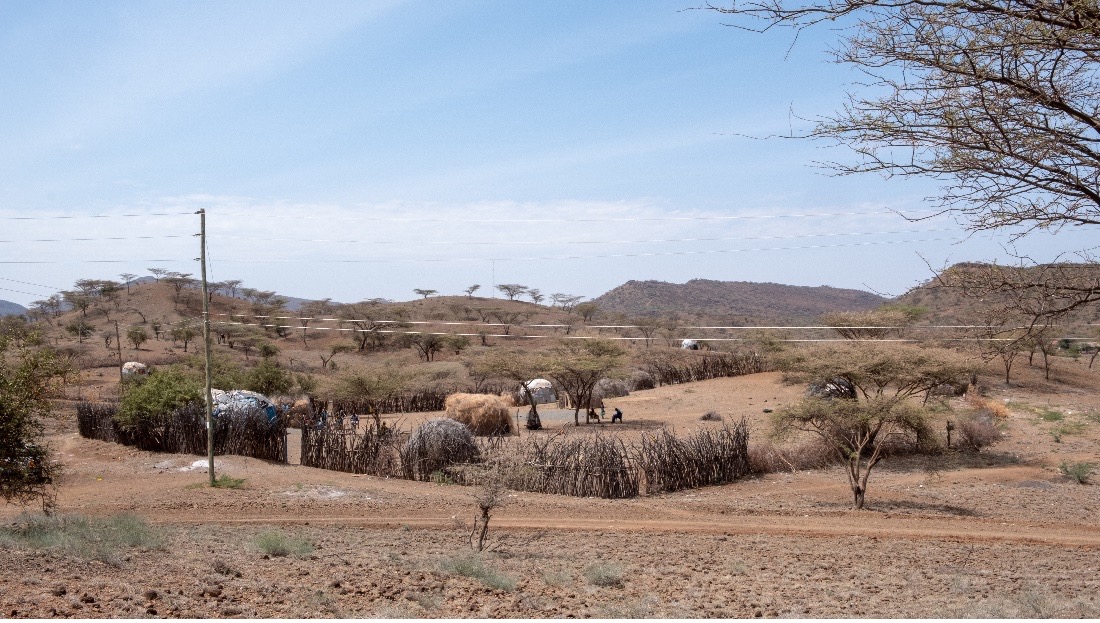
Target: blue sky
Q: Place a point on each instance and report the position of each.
(363, 149)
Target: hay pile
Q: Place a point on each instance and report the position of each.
(482, 413)
(436, 445)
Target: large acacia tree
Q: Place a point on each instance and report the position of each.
(885, 382)
(577, 365)
(997, 100)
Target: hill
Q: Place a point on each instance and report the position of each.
(733, 301)
(7, 308)
(949, 305)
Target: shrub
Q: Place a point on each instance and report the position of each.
(1079, 472)
(711, 416)
(82, 537)
(977, 431)
(604, 574)
(473, 566)
(161, 394)
(269, 378)
(764, 458)
(277, 544)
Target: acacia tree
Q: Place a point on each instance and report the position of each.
(29, 376)
(996, 100)
(470, 290)
(577, 365)
(137, 336)
(426, 344)
(374, 386)
(424, 293)
(126, 279)
(884, 380)
(511, 290)
(514, 365)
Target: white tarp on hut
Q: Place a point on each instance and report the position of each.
(134, 369)
(240, 402)
(542, 391)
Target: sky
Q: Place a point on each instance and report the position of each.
(354, 150)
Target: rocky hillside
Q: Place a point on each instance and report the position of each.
(733, 301)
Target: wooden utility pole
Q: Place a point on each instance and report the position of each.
(206, 343)
(118, 346)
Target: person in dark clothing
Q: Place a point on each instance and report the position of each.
(617, 416)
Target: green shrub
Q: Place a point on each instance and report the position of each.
(160, 394)
(473, 566)
(604, 574)
(82, 537)
(225, 481)
(1079, 472)
(269, 378)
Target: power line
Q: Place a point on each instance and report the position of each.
(80, 216)
(476, 323)
(580, 220)
(98, 239)
(601, 256)
(569, 242)
(602, 337)
(28, 283)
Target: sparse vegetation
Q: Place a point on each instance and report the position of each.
(225, 481)
(278, 544)
(473, 565)
(1080, 473)
(604, 574)
(103, 539)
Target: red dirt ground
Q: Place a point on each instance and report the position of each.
(997, 533)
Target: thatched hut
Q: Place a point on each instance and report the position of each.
(483, 414)
(436, 445)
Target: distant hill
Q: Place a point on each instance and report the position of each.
(951, 306)
(733, 301)
(7, 308)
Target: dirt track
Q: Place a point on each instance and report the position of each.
(996, 534)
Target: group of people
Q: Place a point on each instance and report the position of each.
(322, 420)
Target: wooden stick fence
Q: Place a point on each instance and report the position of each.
(184, 431)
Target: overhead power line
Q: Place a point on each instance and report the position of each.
(574, 242)
(597, 337)
(627, 219)
(585, 257)
(80, 216)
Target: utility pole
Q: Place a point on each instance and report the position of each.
(118, 345)
(206, 343)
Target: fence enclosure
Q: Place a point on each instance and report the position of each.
(184, 432)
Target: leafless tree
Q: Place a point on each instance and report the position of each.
(994, 99)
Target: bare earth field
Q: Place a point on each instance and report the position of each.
(997, 533)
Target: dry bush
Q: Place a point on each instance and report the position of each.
(977, 430)
(711, 416)
(609, 388)
(482, 413)
(437, 445)
(764, 458)
(996, 409)
(639, 380)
